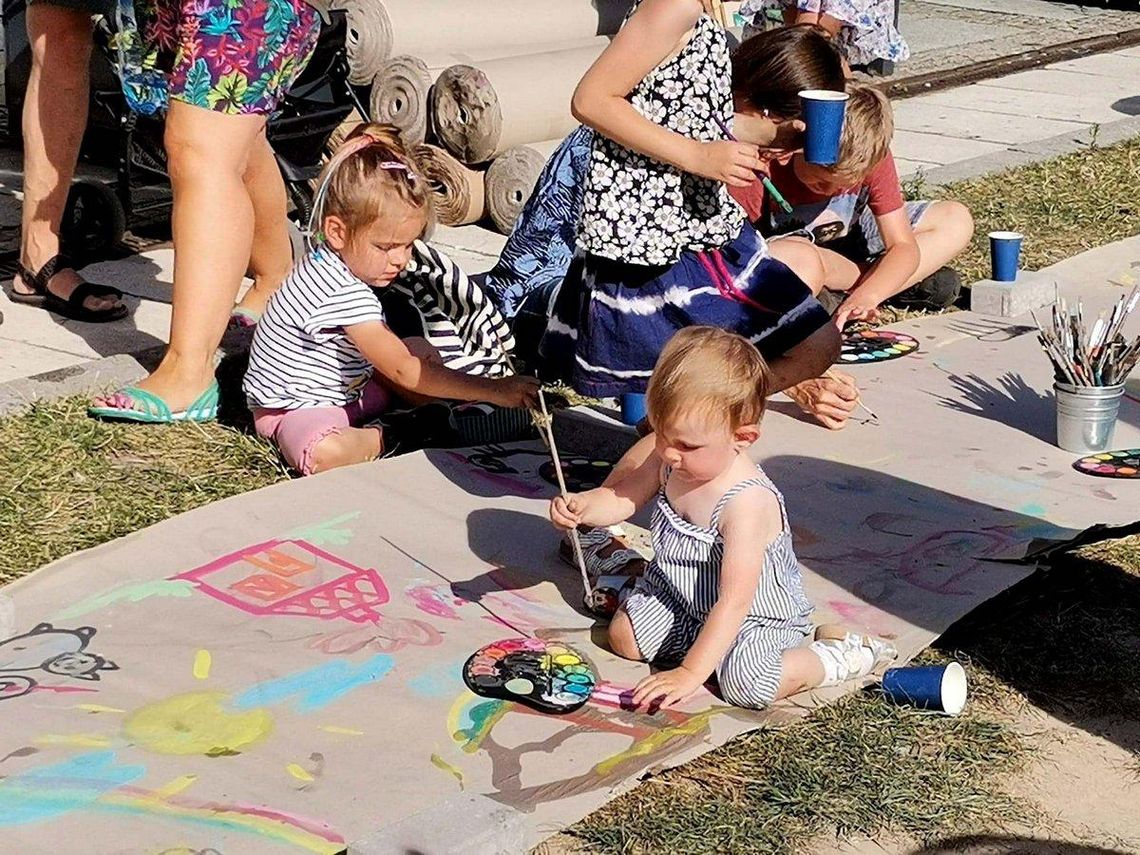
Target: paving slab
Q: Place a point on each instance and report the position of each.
(1072, 83)
(1119, 66)
(935, 148)
(1045, 9)
(927, 116)
(18, 360)
(992, 99)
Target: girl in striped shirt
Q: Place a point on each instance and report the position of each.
(324, 365)
(723, 593)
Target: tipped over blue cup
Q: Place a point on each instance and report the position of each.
(1005, 253)
(632, 407)
(938, 688)
(823, 112)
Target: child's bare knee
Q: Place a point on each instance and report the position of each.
(621, 637)
(329, 453)
(954, 220)
(804, 260)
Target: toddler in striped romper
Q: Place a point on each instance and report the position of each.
(723, 593)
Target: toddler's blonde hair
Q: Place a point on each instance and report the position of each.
(867, 131)
(370, 170)
(709, 371)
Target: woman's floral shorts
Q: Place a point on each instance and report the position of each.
(230, 56)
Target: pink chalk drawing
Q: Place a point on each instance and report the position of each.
(435, 600)
(292, 577)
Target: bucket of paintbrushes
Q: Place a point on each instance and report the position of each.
(1086, 416)
(1091, 362)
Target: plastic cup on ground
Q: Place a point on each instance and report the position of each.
(1005, 254)
(823, 112)
(632, 407)
(938, 688)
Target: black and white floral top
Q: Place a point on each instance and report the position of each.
(641, 211)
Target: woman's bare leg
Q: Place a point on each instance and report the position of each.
(271, 256)
(209, 154)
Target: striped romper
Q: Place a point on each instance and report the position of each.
(671, 602)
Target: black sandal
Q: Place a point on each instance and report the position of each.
(72, 307)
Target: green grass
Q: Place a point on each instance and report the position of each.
(68, 482)
(1063, 206)
(860, 765)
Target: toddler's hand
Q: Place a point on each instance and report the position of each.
(567, 513)
(516, 391)
(734, 163)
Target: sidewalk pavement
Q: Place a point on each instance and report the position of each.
(1027, 116)
(948, 34)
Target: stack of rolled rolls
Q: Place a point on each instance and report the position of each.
(481, 88)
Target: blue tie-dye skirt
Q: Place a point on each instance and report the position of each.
(611, 319)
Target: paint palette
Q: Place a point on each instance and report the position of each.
(1111, 464)
(581, 473)
(547, 675)
(875, 346)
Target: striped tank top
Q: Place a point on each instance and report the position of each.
(687, 561)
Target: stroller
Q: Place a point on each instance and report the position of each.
(98, 214)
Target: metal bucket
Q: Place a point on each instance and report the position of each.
(1086, 416)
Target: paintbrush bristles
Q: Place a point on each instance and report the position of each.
(1098, 356)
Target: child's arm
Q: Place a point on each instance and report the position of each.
(890, 273)
(610, 504)
(402, 368)
(651, 34)
(750, 522)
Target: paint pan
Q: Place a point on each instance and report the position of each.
(938, 688)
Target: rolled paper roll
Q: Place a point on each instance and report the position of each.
(400, 96)
(479, 113)
(511, 178)
(458, 190)
(402, 86)
(381, 29)
(368, 40)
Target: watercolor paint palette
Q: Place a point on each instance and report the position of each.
(1111, 464)
(875, 346)
(547, 675)
(581, 473)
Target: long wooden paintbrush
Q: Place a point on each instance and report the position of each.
(548, 425)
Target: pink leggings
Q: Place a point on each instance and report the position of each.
(297, 432)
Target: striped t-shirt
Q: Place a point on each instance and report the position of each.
(300, 356)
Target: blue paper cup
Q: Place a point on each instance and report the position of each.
(940, 688)
(1005, 250)
(632, 407)
(823, 112)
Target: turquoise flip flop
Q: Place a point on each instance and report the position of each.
(139, 405)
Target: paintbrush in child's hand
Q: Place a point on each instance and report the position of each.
(764, 179)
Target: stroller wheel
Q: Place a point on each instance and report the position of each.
(94, 221)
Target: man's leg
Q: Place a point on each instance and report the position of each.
(55, 116)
